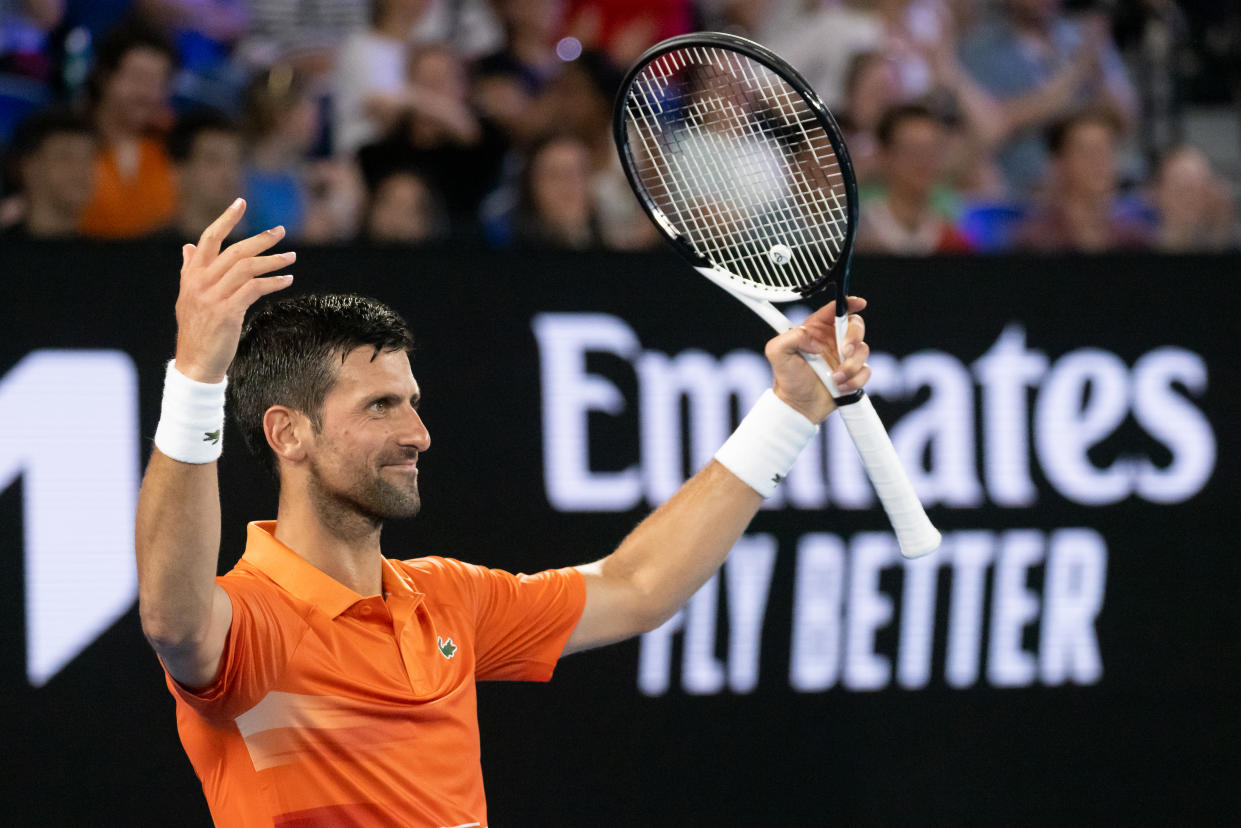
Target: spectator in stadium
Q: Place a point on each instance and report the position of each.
(307, 35)
(582, 97)
(890, 52)
(403, 209)
(371, 86)
(623, 29)
(206, 151)
(205, 33)
(825, 38)
(1041, 66)
(24, 29)
(315, 199)
(279, 121)
(459, 153)
(508, 84)
(54, 154)
(1196, 212)
(469, 26)
(907, 219)
(135, 191)
(1081, 211)
(872, 87)
(764, 21)
(554, 206)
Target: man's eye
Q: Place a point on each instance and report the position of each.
(379, 406)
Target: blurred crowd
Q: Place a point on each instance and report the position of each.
(974, 125)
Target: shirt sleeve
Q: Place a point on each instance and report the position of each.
(262, 637)
(521, 622)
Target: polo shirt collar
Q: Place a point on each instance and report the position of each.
(300, 578)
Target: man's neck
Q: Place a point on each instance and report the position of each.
(348, 552)
(112, 128)
(908, 208)
(1088, 221)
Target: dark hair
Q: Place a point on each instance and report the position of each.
(894, 117)
(1057, 134)
(858, 65)
(119, 42)
(290, 353)
(185, 131)
(600, 71)
(269, 96)
(438, 213)
(34, 131)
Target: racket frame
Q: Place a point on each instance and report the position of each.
(778, 66)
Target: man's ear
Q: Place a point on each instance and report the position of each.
(288, 432)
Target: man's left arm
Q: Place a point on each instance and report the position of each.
(681, 544)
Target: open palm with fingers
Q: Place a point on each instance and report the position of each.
(217, 287)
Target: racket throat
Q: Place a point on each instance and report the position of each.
(763, 308)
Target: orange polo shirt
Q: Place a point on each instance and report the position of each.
(335, 709)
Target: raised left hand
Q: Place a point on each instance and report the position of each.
(795, 382)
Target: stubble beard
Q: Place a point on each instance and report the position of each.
(367, 496)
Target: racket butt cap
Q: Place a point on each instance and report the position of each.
(921, 543)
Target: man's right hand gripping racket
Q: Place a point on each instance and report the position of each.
(743, 169)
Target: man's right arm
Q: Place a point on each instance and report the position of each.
(185, 614)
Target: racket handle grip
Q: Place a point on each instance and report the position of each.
(914, 531)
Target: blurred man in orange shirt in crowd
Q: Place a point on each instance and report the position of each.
(135, 188)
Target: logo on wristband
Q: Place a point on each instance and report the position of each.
(212, 437)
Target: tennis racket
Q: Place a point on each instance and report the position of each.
(741, 167)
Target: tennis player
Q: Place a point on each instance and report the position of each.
(319, 682)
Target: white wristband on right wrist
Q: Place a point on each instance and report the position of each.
(191, 420)
(766, 444)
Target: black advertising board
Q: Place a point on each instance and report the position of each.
(1070, 654)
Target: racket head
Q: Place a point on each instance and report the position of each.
(740, 165)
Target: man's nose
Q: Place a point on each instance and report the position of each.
(414, 431)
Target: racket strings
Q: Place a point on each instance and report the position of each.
(710, 228)
(740, 164)
(727, 229)
(792, 102)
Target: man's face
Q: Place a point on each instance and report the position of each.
(62, 172)
(401, 211)
(439, 71)
(364, 458)
(560, 181)
(138, 89)
(1088, 159)
(914, 161)
(211, 175)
